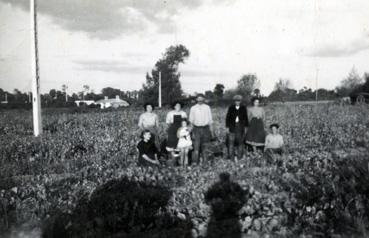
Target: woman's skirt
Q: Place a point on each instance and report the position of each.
(172, 135)
(255, 135)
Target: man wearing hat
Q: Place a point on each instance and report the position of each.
(201, 120)
(237, 123)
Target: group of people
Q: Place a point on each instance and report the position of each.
(194, 133)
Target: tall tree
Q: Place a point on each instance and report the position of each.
(52, 93)
(64, 90)
(219, 91)
(86, 90)
(168, 66)
(111, 92)
(350, 83)
(247, 84)
(282, 85)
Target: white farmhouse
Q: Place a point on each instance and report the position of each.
(112, 102)
(87, 102)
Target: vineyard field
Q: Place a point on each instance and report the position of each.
(317, 188)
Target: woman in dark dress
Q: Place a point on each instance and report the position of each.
(255, 135)
(148, 153)
(174, 121)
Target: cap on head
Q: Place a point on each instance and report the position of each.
(237, 98)
(200, 97)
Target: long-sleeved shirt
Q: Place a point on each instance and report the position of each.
(200, 115)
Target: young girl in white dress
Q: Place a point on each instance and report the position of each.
(184, 142)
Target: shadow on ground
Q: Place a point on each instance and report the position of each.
(226, 198)
(120, 208)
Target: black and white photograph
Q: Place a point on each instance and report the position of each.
(184, 119)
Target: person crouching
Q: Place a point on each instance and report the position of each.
(148, 153)
(274, 142)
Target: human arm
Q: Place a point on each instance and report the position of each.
(211, 126)
(156, 121)
(228, 118)
(148, 159)
(246, 117)
(281, 143)
(169, 118)
(184, 114)
(140, 122)
(191, 117)
(267, 142)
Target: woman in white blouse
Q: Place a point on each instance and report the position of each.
(150, 121)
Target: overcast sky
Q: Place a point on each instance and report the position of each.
(114, 43)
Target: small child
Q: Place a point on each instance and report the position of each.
(184, 142)
(274, 141)
(148, 153)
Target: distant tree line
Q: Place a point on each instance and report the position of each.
(167, 69)
(60, 98)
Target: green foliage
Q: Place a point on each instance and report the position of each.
(168, 67)
(247, 84)
(350, 83)
(72, 163)
(219, 90)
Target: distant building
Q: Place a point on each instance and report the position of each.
(87, 102)
(112, 102)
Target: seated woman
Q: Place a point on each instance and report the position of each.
(274, 141)
(148, 153)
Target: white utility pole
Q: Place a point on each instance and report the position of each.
(159, 89)
(66, 95)
(316, 85)
(36, 102)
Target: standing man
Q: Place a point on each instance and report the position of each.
(237, 123)
(202, 123)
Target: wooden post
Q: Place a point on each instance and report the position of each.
(159, 89)
(36, 102)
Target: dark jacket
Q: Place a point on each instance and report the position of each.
(233, 113)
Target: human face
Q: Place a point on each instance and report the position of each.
(256, 102)
(237, 102)
(184, 123)
(147, 136)
(200, 100)
(149, 108)
(177, 107)
(274, 130)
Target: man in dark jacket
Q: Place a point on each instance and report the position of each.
(237, 123)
